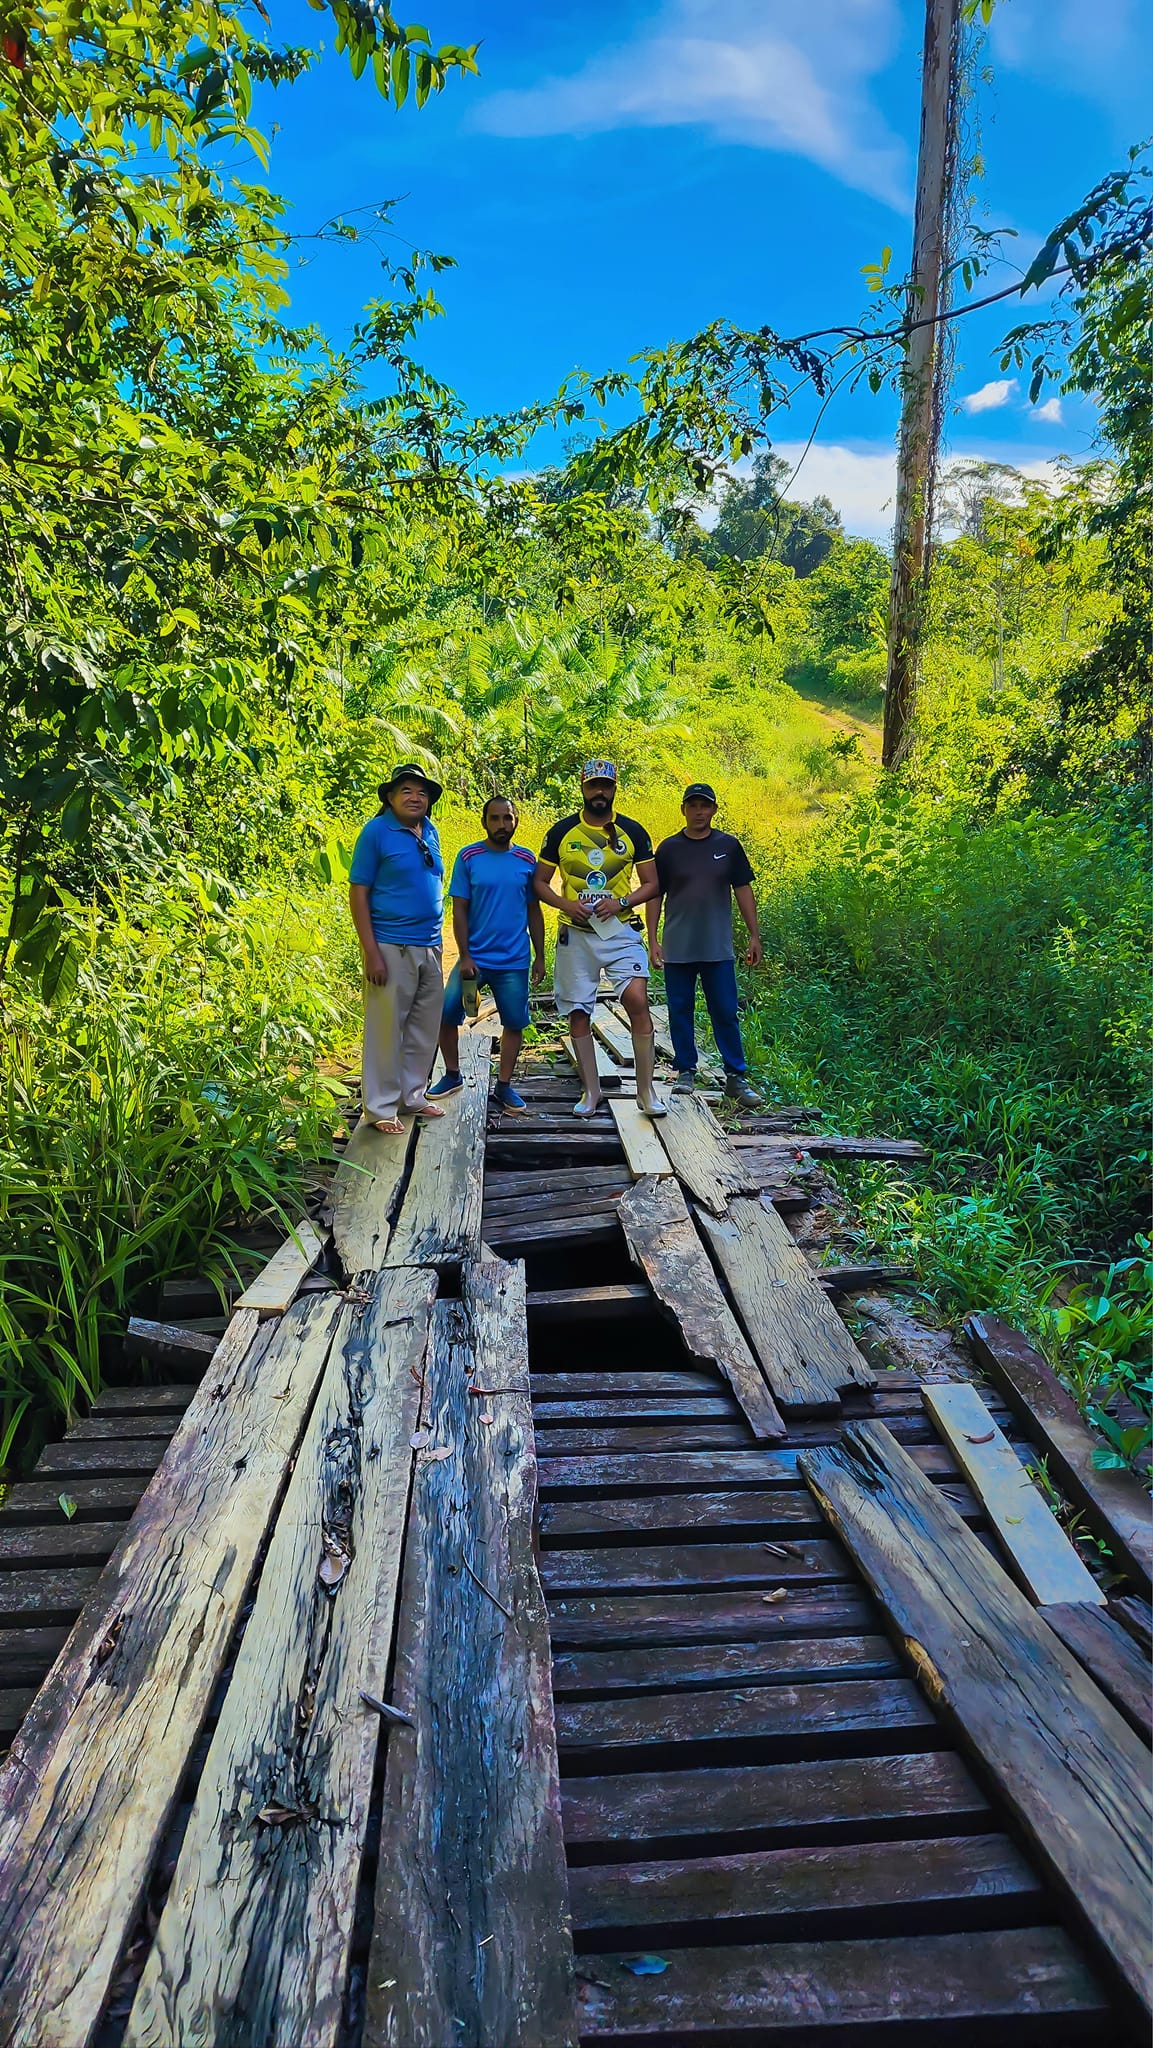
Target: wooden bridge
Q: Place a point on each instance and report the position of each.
(533, 1621)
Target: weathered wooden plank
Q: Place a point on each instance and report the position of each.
(576, 1201)
(1067, 1765)
(590, 1304)
(1030, 1975)
(701, 1616)
(809, 1891)
(273, 1290)
(663, 1243)
(1109, 1654)
(143, 1400)
(92, 1500)
(598, 1674)
(254, 1937)
(628, 1472)
(701, 1155)
(1136, 1618)
(806, 1353)
(52, 1594)
(558, 1386)
(634, 1408)
(439, 1220)
(556, 1180)
(114, 1428)
(366, 1193)
(708, 1069)
(91, 1780)
(27, 1653)
(772, 1515)
(817, 1716)
(558, 1233)
(641, 1145)
(858, 1279)
(830, 1145)
(766, 1805)
(558, 1439)
(639, 1568)
(471, 1940)
(56, 1543)
(15, 1701)
(1040, 1554)
(170, 1344)
(1114, 1504)
(613, 1033)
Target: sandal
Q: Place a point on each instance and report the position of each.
(424, 1109)
(391, 1126)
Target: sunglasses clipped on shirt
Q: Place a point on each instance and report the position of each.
(426, 853)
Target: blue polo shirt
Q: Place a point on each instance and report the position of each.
(498, 890)
(406, 896)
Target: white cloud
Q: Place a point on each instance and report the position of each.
(1050, 412)
(861, 482)
(790, 75)
(990, 396)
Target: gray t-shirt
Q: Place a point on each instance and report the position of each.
(697, 878)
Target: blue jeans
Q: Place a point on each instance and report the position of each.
(719, 983)
(509, 987)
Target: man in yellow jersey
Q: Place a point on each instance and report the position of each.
(593, 853)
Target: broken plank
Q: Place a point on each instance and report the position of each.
(87, 1790)
(806, 1353)
(640, 1143)
(701, 1155)
(273, 1290)
(614, 1034)
(831, 1145)
(170, 1344)
(1066, 1764)
(439, 1220)
(663, 1243)
(1040, 1555)
(365, 1194)
(1115, 1504)
(1030, 1977)
(471, 1937)
(1109, 1654)
(257, 1924)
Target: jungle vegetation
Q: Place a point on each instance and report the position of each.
(243, 570)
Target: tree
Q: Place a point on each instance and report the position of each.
(756, 520)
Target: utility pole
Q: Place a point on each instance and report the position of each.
(917, 444)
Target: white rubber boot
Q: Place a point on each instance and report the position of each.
(584, 1052)
(644, 1054)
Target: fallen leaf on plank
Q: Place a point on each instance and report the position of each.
(419, 1438)
(434, 1457)
(488, 1416)
(772, 1599)
(986, 1439)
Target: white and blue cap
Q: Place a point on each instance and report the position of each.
(599, 770)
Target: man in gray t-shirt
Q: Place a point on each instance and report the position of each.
(699, 871)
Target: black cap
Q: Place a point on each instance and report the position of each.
(700, 789)
(409, 771)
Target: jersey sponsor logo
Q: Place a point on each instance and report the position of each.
(597, 879)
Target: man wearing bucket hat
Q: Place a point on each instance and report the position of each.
(396, 895)
(593, 853)
(699, 871)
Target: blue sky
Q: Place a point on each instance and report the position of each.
(620, 174)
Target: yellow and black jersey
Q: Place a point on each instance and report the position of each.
(595, 860)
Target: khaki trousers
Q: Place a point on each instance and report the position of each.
(401, 1027)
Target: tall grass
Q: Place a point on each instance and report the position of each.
(175, 1093)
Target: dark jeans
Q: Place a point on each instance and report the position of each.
(719, 983)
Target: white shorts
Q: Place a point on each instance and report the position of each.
(582, 957)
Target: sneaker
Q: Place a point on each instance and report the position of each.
(512, 1103)
(447, 1085)
(685, 1081)
(740, 1090)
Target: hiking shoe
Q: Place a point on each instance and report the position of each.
(512, 1103)
(448, 1084)
(685, 1082)
(740, 1090)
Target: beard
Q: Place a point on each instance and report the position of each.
(599, 806)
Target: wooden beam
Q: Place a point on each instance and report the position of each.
(701, 1155)
(258, 1921)
(1070, 1769)
(1109, 1654)
(1040, 1555)
(90, 1783)
(170, 1344)
(572, 1304)
(663, 1243)
(471, 1939)
(275, 1289)
(612, 1076)
(1115, 1504)
(365, 1195)
(439, 1220)
(640, 1143)
(806, 1353)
